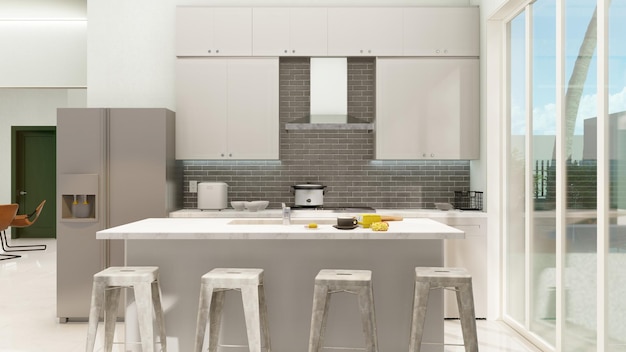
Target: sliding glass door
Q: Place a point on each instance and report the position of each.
(565, 190)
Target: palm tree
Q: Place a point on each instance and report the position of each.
(577, 80)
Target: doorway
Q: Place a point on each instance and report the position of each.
(33, 179)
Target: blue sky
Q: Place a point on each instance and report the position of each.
(578, 14)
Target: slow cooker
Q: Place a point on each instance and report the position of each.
(309, 195)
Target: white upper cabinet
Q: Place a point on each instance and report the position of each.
(427, 108)
(441, 31)
(369, 31)
(227, 108)
(281, 31)
(213, 31)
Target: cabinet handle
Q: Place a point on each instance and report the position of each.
(222, 155)
(286, 51)
(445, 51)
(369, 51)
(432, 155)
(230, 155)
(361, 51)
(437, 51)
(209, 51)
(217, 51)
(293, 51)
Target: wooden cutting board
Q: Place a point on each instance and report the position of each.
(391, 218)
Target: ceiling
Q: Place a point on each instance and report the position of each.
(43, 9)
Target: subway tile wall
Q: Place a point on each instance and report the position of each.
(342, 160)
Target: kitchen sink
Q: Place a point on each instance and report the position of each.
(330, 221)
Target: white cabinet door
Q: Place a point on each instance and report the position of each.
(280, 31)
(365, 31)
(213, 31)
(427, 108)
(309, 31)
(227, 108)
(441, 31)
(270, 31)
(468, 253)
(253, 108)
(201, 108)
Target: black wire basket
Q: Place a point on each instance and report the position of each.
(468, 200)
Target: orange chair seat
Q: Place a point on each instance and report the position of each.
(21, 221)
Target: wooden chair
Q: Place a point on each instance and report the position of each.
(23, 220)
(7, 213)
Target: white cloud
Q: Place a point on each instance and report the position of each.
(544, 116)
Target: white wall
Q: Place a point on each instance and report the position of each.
(29, 107)
(50, 53)
(43, 43)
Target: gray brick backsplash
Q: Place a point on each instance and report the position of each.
(343, 160)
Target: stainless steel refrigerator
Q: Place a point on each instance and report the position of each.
(114, 166)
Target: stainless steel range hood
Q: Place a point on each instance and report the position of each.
(329, 98)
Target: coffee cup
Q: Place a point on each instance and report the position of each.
(346, 221)
(366, 220)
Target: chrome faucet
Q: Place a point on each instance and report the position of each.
(286, 215)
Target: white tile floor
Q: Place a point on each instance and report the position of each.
(28, 321)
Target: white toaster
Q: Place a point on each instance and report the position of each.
(212, 195)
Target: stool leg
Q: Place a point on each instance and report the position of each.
(465, 302)
(112, 300)
(368, 318)
(420, 303)
(143, 299)
(215, 316)
(97, 298)
(251, 307)
(321, 300)
(209, 306)
(204, 305)
(158, 312)
(264, 323)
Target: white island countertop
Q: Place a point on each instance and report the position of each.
(267, 229)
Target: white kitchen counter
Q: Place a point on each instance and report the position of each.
(186, 248)
(306, 213)
(239, 229)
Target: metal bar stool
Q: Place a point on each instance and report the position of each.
(458, 279)
(214, 285)
(358, 282)
(107, 286)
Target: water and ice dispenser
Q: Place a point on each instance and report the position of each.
(79, 193)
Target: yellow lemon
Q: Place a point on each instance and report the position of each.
(379, 226)
(312, 225)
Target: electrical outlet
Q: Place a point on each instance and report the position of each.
(193, 186)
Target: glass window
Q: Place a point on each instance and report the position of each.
(616, 289)
(543, 234)
(515, 234)
(581, 179)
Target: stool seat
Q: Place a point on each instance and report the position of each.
(329, 281)
(341, 278)
(127, 276)
(107, 286)
(214, 284)
(234, 277)
(443, 275)
(427, 278)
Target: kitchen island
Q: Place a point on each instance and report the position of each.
(291, 255)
